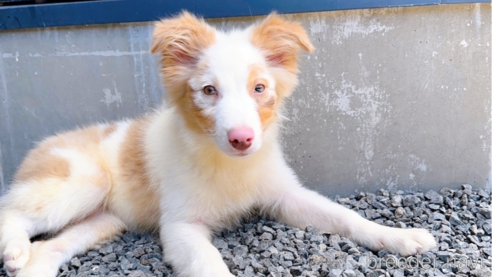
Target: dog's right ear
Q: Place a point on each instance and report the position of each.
(180, 41)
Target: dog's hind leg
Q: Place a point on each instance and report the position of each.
(47, 256)
(34, 207)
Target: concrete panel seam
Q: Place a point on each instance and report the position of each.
(2, 182)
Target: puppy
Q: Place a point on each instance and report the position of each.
(187, 170)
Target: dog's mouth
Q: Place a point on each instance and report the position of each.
(239, 154)
(235, 153)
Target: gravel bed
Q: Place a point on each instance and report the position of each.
(460, 220)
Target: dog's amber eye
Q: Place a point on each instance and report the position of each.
(259, 88)
(209, 90)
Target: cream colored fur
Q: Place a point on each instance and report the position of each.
(175, 170)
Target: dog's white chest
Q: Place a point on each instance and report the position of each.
(213, 198)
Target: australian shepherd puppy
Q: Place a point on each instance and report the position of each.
(187, 170)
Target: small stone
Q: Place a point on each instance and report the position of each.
(335, 272)
(268, 229)
(466, 188)
(376, 273)
(109, 258)
(410, 200)
(401, 225)
(447, 192)
(369, 213)
(473, 229)
(296, 271)
(486, 227)
(439, 216)
(396, 201)
(106, 249)
(334, 240)
(220, 243)
(125, 264)
(266, 236)
(128, 238)
(483, 193)
(378, 205)
(443, 255)
(349, 273)
(482, 272)
(386, 213)
(288, 256)
(487, 251)
(434, 206)
(344, 242)
(400, 212)
(300, 234)
(137, 273)
(399, 273)
(434, 197)
(138, 252)
(145, 269)
(344, 201)
(455, 220)
(353, 250)
(92, 254)
(272, 250)
(75, 262)
(113, 266)
(485, 212)
(464, 228)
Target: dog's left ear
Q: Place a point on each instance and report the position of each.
(281, 40)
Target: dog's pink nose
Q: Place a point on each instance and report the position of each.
(241, 138)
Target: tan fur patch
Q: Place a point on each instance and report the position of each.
(267, 112)
(132, 168)
(267, 103)
(108, 130)
(85, 140)
(131, 155)
(51, 166)
(180, 41)
(193, 115)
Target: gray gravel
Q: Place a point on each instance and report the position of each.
(460, 220)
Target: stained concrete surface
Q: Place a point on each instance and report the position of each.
(391, 98)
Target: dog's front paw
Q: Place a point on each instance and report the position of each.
(38, 271)
(41, 264)
(15, 256)
(407, 242)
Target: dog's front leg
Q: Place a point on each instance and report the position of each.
(300, 207)
(188, 248)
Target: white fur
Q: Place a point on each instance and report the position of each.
(200, 185)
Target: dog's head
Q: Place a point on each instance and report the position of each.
(229, 85)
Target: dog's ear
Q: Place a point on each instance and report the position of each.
(280, 40)
(180, 41)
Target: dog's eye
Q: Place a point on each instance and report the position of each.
(259, 88)
(209, 90)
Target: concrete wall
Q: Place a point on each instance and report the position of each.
(391, 98)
